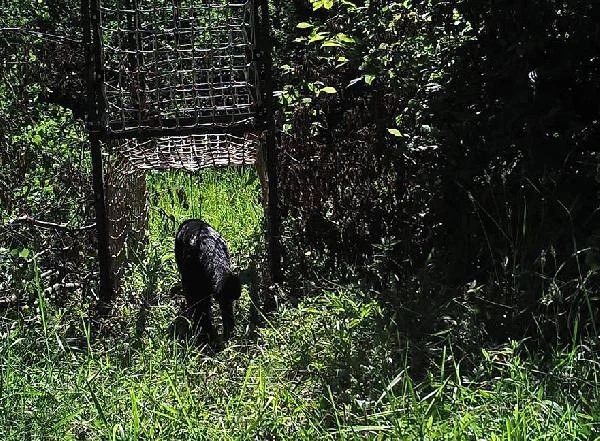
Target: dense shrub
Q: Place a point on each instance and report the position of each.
(462, 136)
(45, 181)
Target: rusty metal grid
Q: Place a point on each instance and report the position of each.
(177, 66)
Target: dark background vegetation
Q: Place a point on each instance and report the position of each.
(457, 159)
(46, 203)
(443, 154)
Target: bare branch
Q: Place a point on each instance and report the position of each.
(39, 34)
(23, 220)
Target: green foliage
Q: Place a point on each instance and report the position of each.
(48, 167)
(441, 156)
(466, 134)
(333, 368)
(45, 175)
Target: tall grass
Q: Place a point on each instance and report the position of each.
(228, 199)
(335, 367)
(326, 370)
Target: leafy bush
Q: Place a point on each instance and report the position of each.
(460, 137)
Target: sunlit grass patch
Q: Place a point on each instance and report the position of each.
(228, 199)
(329, 369)
(334, 367)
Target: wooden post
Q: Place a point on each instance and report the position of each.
(94, 66)
(104, 259)
(270, 147)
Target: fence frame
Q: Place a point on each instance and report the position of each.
(99, 133)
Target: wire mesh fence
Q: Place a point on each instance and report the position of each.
(174, 85)
(178, 64)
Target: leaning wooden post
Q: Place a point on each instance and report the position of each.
(270, 145)
(94, 77)
(104, 260)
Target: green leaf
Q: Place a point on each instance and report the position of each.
(369, 79)
(304, 25)
(24, 253)
(331, 43)
(345, 38)
(395, 132)
(166, 257)
(317, 4)
(328, 89)
(317, 37)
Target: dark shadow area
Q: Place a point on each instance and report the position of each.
(518, 195)
(465, 185)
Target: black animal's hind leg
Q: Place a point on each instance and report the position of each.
(202, 318)
(228, 320)
(199, 308)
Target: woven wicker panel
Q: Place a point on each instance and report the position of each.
(190, 153)
(127, 211)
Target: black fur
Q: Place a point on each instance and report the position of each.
(205, 266)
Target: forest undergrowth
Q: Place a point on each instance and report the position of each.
(439, 183)
(334, 366)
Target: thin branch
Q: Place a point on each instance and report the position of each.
(39, 34)
(48, 225)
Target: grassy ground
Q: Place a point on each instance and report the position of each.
(334, 367)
